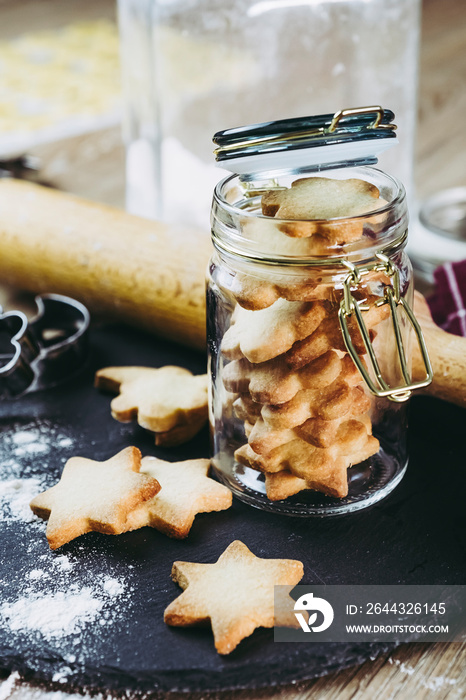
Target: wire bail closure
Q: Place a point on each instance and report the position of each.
(349, 306)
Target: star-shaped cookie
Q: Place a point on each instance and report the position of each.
(94, 496)
(169, 401)
(236, 594)
(273, 382)
(262, 335)
(314, 202)
(185, 491)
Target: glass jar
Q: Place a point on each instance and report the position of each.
(190, 65)
(308, 417)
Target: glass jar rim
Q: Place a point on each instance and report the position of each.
(229, 222)
(398, 199)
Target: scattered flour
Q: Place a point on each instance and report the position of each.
(437, 682)
(23, 466)
(29, 442)
(113, 587)
(63, 562)
(52, 604)
(15, 496)
(434, 683)
(14, 687)
(55, 615)
(404, 668)
(36, 574)
(62, 675)
(56, 598)
(32, 448)
(23, 436)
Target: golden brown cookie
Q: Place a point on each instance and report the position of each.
(273, 381)
(347, 434)
(314, 201)
(329, 402)
(168, 401)
(236, 594)
(283, 484)
(258, 292)
(94, 496)
(329, 336)
(340, 401)
(185, 491)
(262, 335)
(255, 293)
(323, 469)
(181, 433)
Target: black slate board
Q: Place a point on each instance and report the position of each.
(414, 536)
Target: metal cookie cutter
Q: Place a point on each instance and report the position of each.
(44, 351)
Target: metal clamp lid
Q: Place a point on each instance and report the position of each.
(349, 137)
(349, 306)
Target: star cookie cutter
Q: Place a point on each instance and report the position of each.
(44, 351)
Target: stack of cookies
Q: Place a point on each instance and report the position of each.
(302, 401)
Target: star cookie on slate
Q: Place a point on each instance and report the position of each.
(94, 496)
(185, 491)
(169, 401)
(236, 594)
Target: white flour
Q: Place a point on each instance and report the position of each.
(55, 615)
(35, 438)
(15, 497)
(55, 599)
(14, 689)
(24, 450)
(52, 604)
(433, 683)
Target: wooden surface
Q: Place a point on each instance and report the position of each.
(441, 139)
(93, 166)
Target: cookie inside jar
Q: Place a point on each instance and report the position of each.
(295, 426)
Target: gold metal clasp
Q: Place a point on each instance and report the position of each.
(250, 190)
(376, 124)
(349, 306)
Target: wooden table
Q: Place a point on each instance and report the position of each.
(93, 166)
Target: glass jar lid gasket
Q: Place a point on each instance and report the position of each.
(355, 135)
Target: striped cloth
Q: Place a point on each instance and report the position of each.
(448, 302)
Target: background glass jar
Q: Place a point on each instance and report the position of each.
(189, 66)
(295, 428)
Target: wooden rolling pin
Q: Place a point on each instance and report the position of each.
(144, 272)
(447, 354)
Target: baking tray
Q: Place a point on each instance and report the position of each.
(415, 536)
